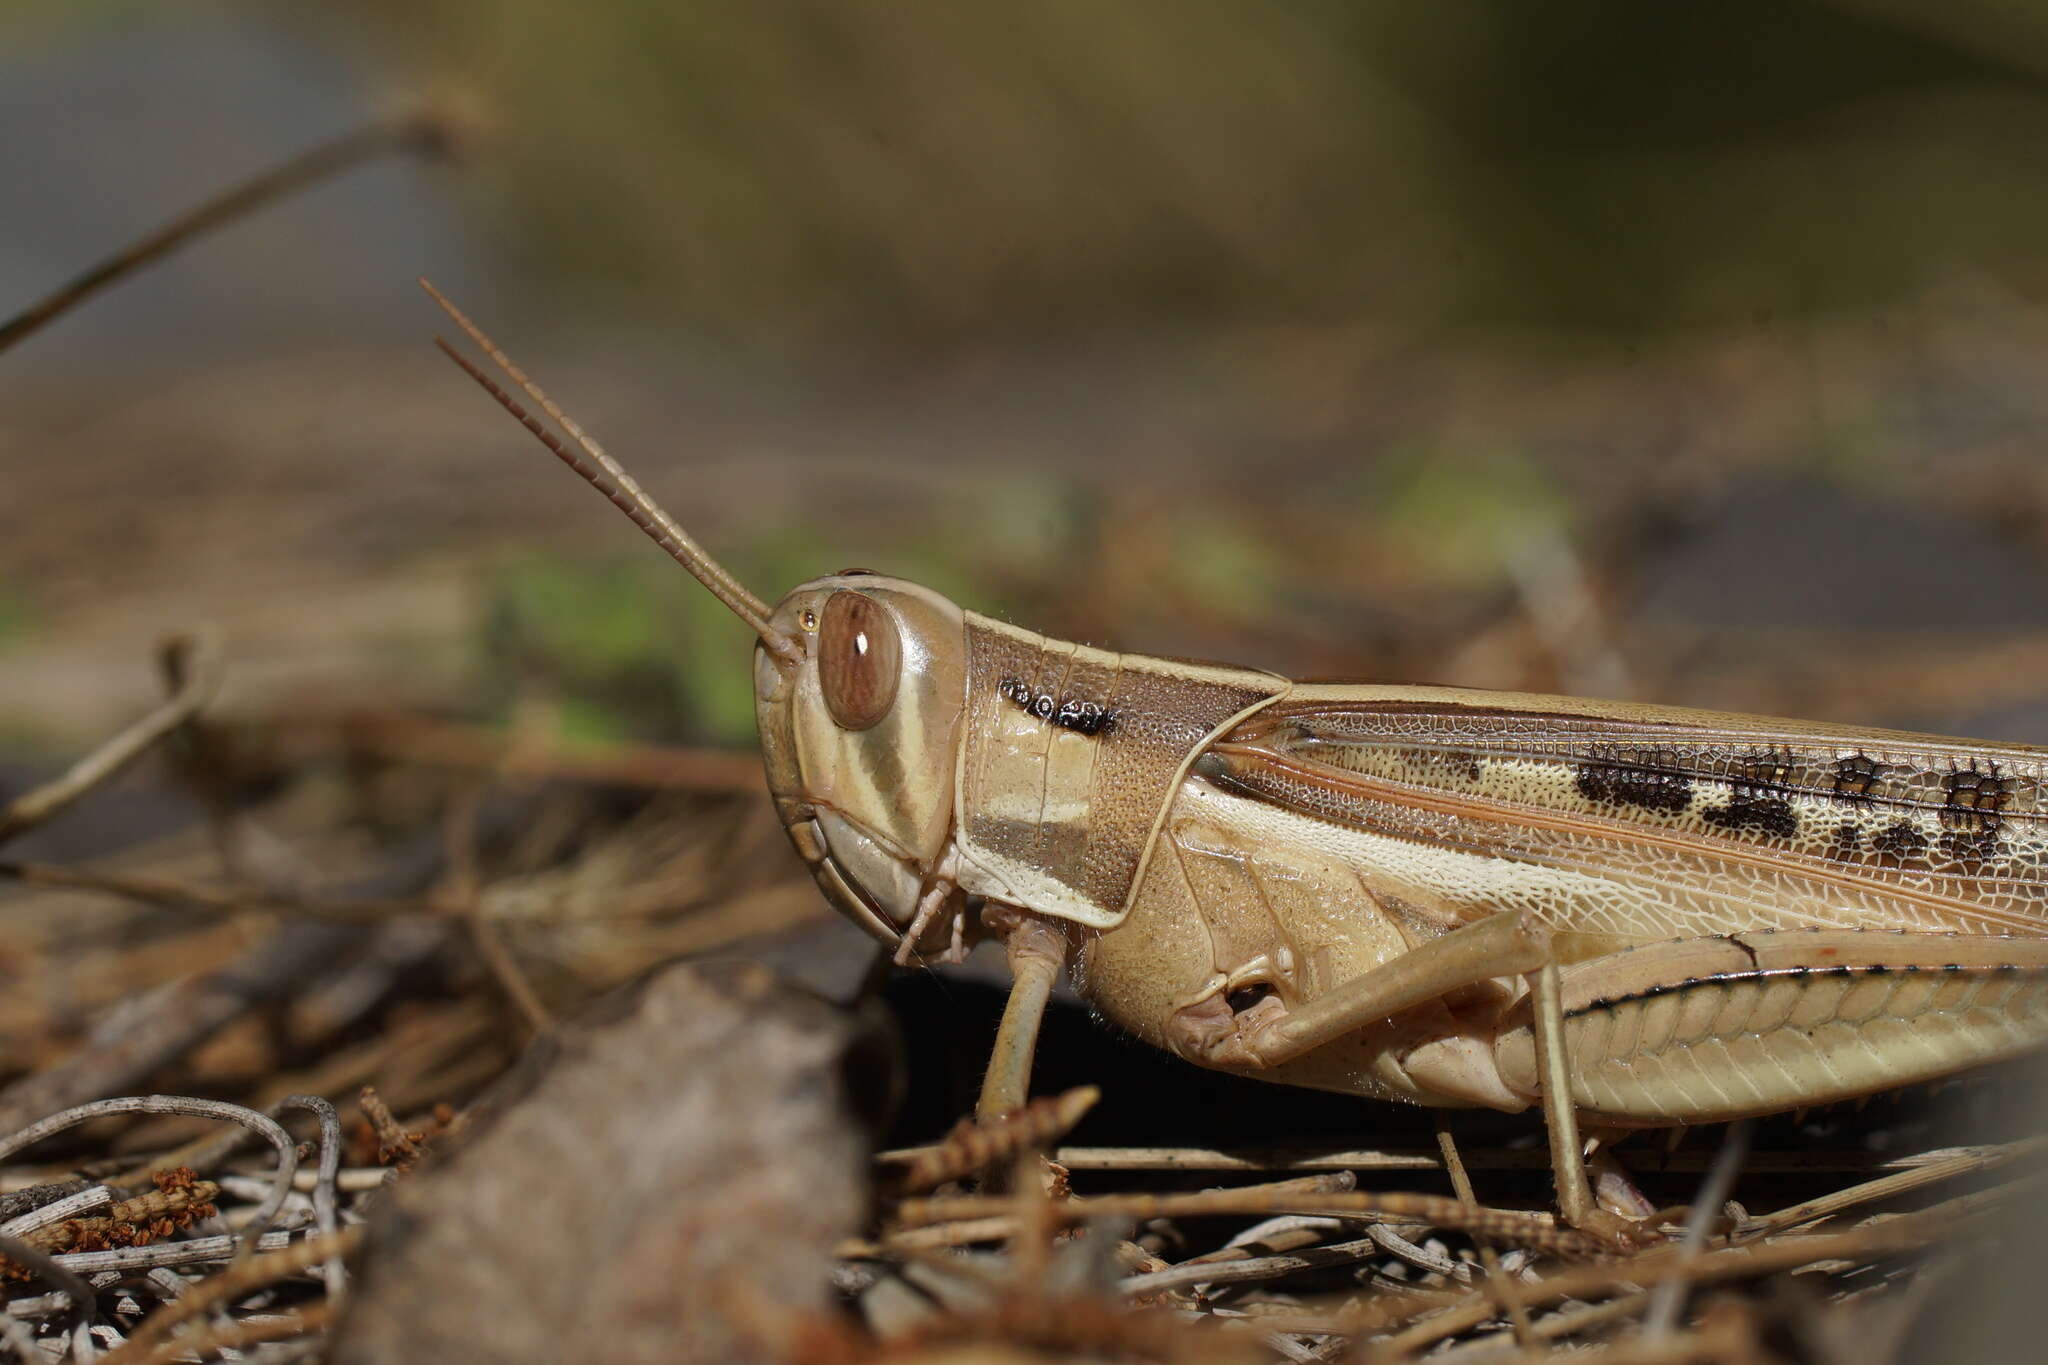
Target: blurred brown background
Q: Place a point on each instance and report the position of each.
(1676, 352)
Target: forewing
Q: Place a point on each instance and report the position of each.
(1649, 821)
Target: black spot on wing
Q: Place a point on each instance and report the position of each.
(1971, 847)
(1749, 809)
(1630, 784)
(1856, 778)
(1899, 842)
(1972, 800)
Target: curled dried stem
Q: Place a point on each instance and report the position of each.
(325, 1214)
(261, 1124)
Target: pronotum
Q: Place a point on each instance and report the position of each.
(1629, 915)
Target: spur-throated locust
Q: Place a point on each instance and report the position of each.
(1630, 915)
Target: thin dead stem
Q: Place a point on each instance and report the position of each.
(424, 742)
(200, 669)
(411, 131)
(211, 1341)
(1946, 1166)
(1908, 1233)
(1665, 1304)
(461, 891)
(326, 1215)
(53, 1272)
(1489, 1258)
(155, 891)
(977, 1145)
(237, 1282)
(1521, 1229)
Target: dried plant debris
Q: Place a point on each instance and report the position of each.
(382, 1140)
(126, 1268)
(688, 1168)
(179, 1201)
(977, 1145)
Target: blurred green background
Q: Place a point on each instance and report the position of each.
(905, 172)
(1690, 352)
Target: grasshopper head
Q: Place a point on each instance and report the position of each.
(859, 682)
(860, 734)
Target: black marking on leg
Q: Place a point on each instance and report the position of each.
(1727, 979)
(1754, 962)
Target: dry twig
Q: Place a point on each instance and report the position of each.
(261, 1124)
(1662, 1319)
(415, 130)
(396, 1146)
(1489, 1258)
(1521, 1229)
(325, 1215)
(179, 1202)
(977, 1145)
(421, 741)
(200, 670)
(52, 1271)
(211, 1341)
(237, 1282)
(179, 895)
(1944, 1166)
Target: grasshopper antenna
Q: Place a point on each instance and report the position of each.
(610, 478)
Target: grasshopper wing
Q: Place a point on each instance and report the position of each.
(1649, 822)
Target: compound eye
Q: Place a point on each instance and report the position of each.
(859, 658)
